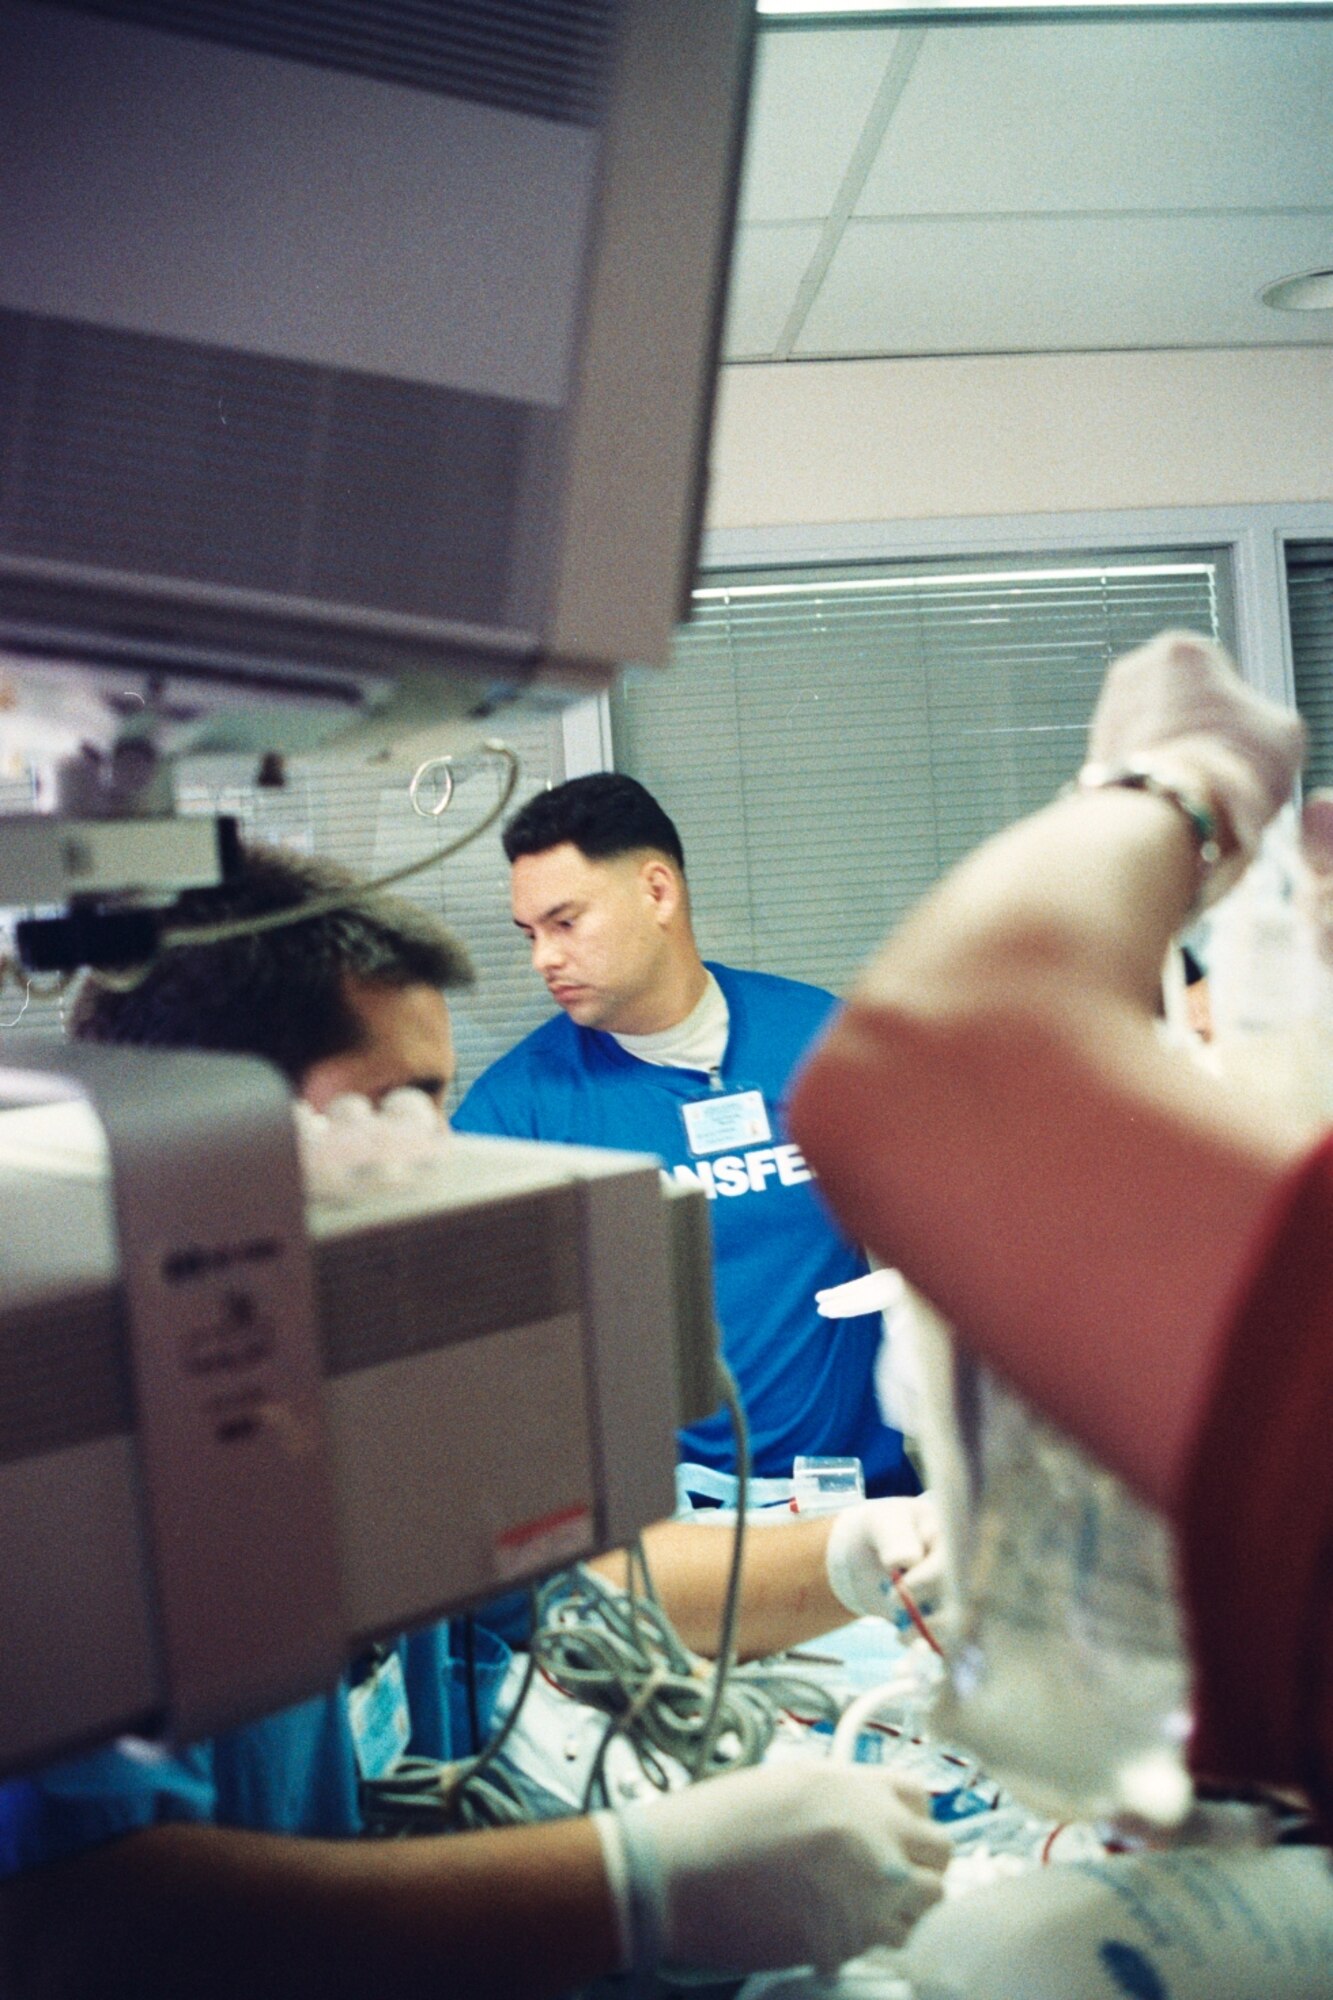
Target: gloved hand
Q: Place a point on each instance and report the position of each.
(1179, 705)
(788, 1864)
(871, 1544)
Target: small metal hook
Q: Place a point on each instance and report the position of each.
(441, 805)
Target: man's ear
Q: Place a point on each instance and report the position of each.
(662, 885)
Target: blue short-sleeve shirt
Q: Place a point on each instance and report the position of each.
(807, 1383)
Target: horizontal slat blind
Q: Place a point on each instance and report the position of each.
(1310, 598)
(829, 741)
(362, 817)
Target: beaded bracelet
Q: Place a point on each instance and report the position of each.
(1192, 803)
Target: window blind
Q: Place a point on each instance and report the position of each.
(362, 817)
(831, 740)
(1310, 601)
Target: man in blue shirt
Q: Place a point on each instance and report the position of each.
(655, 1051)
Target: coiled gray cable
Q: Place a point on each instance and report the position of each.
(615, 1652)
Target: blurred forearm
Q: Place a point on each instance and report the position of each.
(785, 1594)
(217, 1914)
(995, 1114)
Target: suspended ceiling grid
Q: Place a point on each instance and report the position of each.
(1032, 188)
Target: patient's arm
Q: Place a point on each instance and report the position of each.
(786, 1592)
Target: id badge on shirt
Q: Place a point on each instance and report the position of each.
(377, 1711)
(726, 1122)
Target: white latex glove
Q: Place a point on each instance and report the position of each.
(1180, 696)
(871, 1544)
(789, 1864)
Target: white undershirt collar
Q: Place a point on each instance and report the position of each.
(697, 1042)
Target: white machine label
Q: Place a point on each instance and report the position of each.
(224, 1350)
(722, 1124)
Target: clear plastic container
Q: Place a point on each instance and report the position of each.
(825, 1485)
(1067, 1674)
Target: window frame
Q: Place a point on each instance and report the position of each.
(1255, 537)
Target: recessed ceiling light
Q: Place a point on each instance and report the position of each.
(1312, 291)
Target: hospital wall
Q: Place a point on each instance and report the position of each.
(916, 440)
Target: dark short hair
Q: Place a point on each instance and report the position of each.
(279, 993)
(604, 815)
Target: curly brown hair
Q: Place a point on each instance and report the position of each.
(278, 993)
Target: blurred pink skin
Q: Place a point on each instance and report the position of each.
(1317, 832)
(1198, 1010)
(1317, 851)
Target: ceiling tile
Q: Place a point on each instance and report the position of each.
(994, 286)
(767, 266)
(1096, 115)
(812, 92)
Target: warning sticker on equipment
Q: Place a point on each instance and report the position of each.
(556, 1538)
